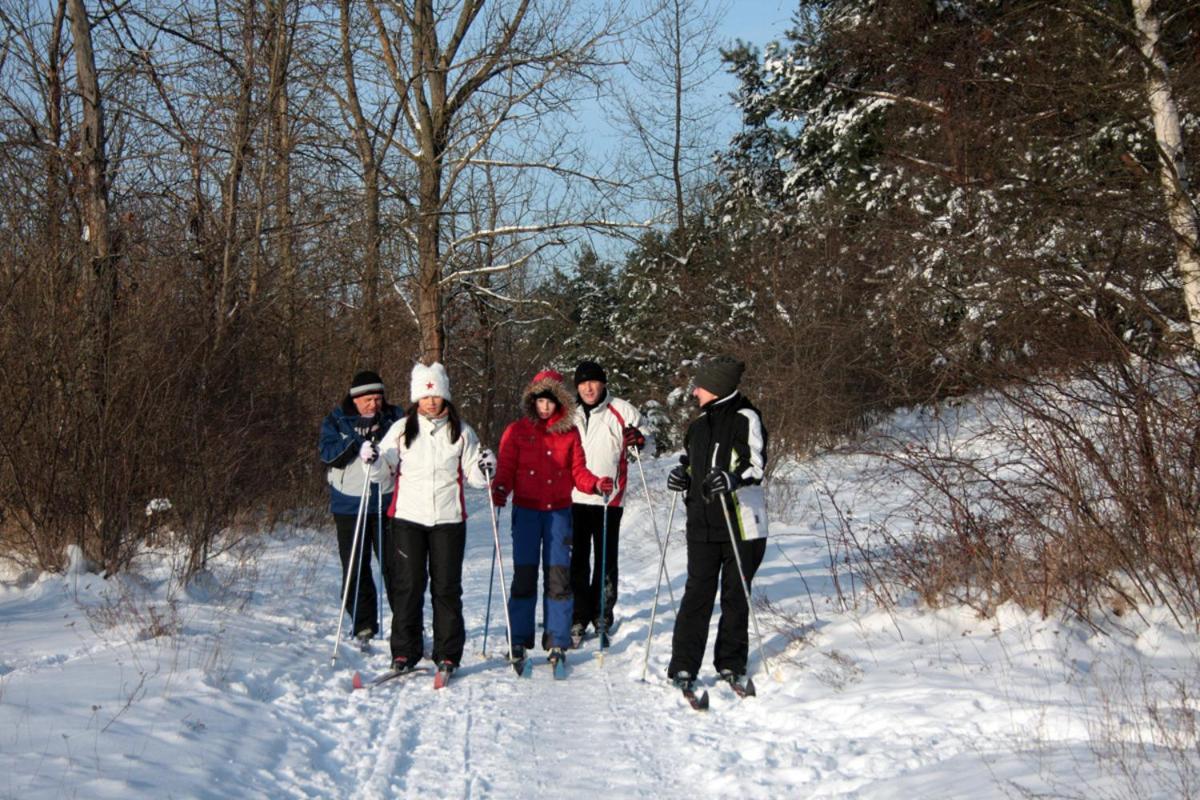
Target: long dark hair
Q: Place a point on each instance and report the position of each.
(410, 423)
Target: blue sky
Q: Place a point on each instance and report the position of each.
(756, 22)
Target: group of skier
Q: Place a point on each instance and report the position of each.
(396, 482)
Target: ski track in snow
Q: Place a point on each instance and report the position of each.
(241, 700)
(494, 734)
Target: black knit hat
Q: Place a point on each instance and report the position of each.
(720, 375)
(366, 382)
(589, 371)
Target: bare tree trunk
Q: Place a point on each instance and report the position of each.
(1168, 134)
(429, 265)
(370, 342)
(275, 172)
(488, 218)
(94, 164)
(429, 68)
(54, 164)
(231, 190)
(673, 58)
(285, 218)
(101, 281)
(372, 320)
(677, 141)
(462, 72)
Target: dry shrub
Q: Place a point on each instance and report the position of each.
(1073, 496)
(121, 606)
(219, 432)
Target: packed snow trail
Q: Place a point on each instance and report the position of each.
(491, 733)
(137, 687)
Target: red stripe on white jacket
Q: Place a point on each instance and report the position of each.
(429, 475)
(603, 439)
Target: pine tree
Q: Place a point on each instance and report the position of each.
(986, 169)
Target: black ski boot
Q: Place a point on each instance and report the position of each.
(558, 660)
(742, 688)
(520, 663)
(683, 681)
(577, 632)
(605, 629)
(686, 683)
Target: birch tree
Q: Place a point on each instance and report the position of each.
(1172, 163)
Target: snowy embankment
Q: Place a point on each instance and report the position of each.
(137, 688)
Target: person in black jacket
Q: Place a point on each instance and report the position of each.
(721, 477)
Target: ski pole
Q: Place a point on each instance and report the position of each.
(359, 525)
(379, 558)
(500, 562)
(662, 566)
(654, 521)
(358, 563)
(487, 617)
(746, 589)
(603, 575)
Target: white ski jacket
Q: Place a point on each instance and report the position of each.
(602, 431)
(430, 476)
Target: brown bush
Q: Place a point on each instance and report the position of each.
(1076, 496)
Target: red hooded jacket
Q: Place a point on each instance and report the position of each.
(540, 461)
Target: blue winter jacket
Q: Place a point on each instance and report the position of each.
(343, 432)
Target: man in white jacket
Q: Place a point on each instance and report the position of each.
(608, 426)
(432, 454)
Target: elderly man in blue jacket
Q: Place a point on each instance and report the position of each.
(349, 449)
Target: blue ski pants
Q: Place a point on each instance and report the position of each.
(547, 533)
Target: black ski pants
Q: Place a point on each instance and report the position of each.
(414, 554)
(362, 583)
(710, 564)
(588, 524)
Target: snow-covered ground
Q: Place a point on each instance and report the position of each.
(138, 688)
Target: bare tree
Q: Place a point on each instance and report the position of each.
(93, 188)
(33, 99)
(672, 59)
(206, 66)
(470, 73)
(371, 139)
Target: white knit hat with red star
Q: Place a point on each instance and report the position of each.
(431, 381)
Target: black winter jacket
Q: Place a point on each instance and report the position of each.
(728, 435)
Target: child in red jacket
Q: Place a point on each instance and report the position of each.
(541, 459)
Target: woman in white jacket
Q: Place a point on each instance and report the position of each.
(432, 454)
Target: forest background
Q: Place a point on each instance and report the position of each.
(218, 211)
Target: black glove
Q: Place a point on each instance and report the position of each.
(678, 479)
(719, 482)
(632, 437)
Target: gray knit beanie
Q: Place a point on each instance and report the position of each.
(720, 375)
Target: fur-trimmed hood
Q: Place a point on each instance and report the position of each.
(549, 380)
